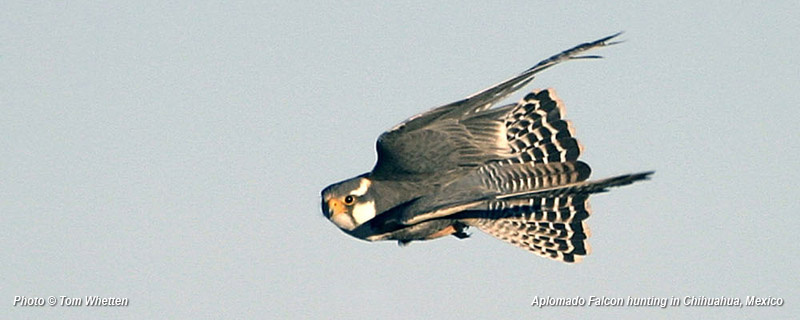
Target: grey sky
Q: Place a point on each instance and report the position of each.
(173, 154)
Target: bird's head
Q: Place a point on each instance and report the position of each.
(349, 203)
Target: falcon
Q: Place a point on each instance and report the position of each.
(511, 171)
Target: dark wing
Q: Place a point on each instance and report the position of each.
(462, 133)
(442, 146)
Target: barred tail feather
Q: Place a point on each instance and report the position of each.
(537, 132)
(549, 227)
(550, 222)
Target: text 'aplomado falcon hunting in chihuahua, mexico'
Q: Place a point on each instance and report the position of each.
(661, 302)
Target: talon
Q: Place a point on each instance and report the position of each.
(460, 230)
(461, 235)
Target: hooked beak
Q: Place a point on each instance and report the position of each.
(332, 207)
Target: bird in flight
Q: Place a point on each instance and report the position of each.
(511, 171)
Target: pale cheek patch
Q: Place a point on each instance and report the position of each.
(363, 212)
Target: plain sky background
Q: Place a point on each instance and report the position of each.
(173, 154)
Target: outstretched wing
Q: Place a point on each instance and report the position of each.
(464, 133)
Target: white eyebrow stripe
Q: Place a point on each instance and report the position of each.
(363, 187)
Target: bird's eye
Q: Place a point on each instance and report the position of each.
(348, 200)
